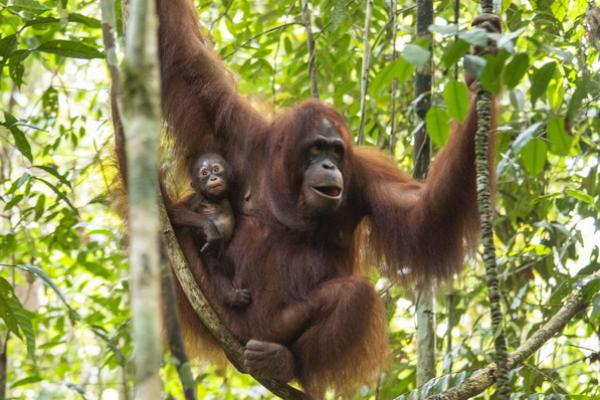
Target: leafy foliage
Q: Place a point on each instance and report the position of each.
(63, 276)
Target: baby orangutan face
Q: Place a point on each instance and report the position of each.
(211, 176)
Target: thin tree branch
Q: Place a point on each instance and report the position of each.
(4, 366)
(312, 56)
(173, 331)
(485, 377)
(364, 77)
(108, 38)
(394, 89)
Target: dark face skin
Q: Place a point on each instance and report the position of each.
(210, 176)
(323, 184)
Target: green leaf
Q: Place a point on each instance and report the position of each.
(8, 44)
(454, 52)
(16, 67)
(10, 122)
(444, 30)
(399, 69)
(54, 172)
(39, 206)
(37, 271)
(26, 381)
(516, 69)
(524, 137)
(560, 141)
(591, 289)
(540, 79)
(474, 65)
(17, 318)
(84, 20)
(456, 95)
(577, 98)
(30, 5)
(533, 156)
(69, 48)
(437, 123)
(491, 76)
(475, 36)
(416, 55)
(576, 194)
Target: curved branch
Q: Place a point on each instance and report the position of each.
(231, 346)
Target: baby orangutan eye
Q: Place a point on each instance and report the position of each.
(204, 171)
(216, 168)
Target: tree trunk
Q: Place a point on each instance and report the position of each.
(421, 160)
(141, 110)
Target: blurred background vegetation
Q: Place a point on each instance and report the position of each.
(64, 314)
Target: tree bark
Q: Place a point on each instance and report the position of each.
(364, 76)
(394, 88)
(486, 216)
(425, 307)
(141, 111)
(312, 56)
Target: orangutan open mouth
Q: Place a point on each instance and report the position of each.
(328, 191)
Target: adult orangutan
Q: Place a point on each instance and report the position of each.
(302, 190)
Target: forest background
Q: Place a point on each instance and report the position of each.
(64, 293)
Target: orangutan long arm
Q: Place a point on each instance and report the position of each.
(198, 91)
(424, 225)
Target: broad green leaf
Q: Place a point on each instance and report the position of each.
(515, 70)
(560, 141)
(26, 381)
(491, 76)
(17, 318)
(16, 68)
(54, 172)
(456, 95)
(10, 122)
(533, 156)
(454, 53)
(30, 5)
(591, 289)
(581, 196)
(474, 65)
(85, 20)
(444, 30)
(69, 48)
(8, 44)
(540, 79)
(581, 91)
(399, 70)
(524, 137)
(416, 55)
(438, 125)
(40, 206)
(475, 36)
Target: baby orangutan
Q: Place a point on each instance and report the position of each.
(208, 214)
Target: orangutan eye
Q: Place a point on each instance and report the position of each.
(204, 171)
(338, 152)
(217, 168)
(315, 150)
